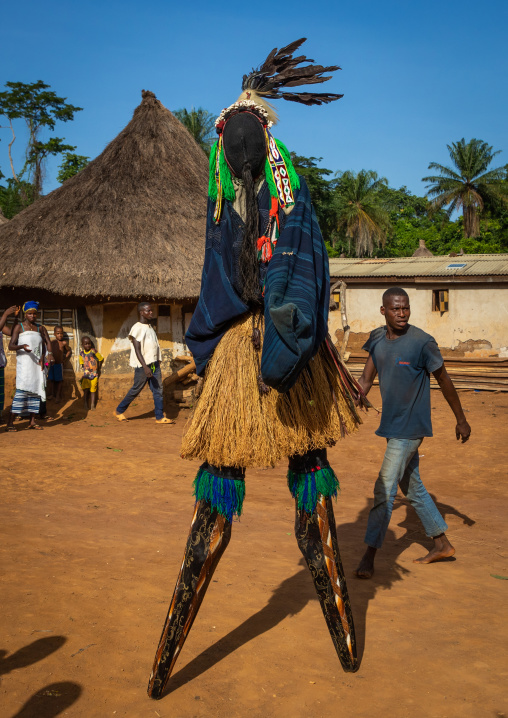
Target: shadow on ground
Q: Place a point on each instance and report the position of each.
(50, 701)
(34, 652)
(293, 594)
(54, 698)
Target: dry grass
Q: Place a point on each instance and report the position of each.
(235, 425)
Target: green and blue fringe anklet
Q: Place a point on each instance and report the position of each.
(306, 487)
(224, 495)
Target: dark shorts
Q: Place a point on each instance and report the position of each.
(55, 372)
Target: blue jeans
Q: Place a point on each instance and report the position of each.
(140, 379)
(401, 467)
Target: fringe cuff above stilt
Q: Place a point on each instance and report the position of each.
(306, 487)
(224, 495)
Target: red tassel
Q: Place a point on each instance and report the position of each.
(265, 245)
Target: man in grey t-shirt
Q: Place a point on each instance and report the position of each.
(404, 357)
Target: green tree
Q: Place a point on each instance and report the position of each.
(410, 221)
(71, 165)
(321, 191)
(15, 196)
(361, 215)
(469, 184)
(41, 109)
(201, 125)
(402, 204)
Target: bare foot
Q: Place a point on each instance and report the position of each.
(442, 549)
(366, 566)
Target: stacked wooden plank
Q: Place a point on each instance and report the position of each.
(487, 373)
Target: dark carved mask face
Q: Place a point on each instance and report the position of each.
(244, 141)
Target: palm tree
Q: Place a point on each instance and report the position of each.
(467, 186)
(360, 211)
(201, 125)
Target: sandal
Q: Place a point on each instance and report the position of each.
(165, 420)
(10, 428)
(36, 427)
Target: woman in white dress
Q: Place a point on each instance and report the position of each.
(31, 343)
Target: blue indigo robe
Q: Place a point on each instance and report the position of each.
(297, 290)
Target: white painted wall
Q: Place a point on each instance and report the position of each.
(96, 315)
(122, 341)
(476, 313)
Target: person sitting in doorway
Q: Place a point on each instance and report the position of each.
(145, 359)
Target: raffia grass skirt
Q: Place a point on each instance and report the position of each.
(234, 424)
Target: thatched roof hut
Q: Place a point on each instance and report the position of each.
(3, 218)
(422, 250)
(129, 225)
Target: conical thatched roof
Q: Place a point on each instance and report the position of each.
(131, 224)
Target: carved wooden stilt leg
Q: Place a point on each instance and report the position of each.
(317, 539)
(208, 538)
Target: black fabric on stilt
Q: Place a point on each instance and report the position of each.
(226, 472)
(208, 538)
(303, 463)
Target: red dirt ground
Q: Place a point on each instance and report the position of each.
(94, 518)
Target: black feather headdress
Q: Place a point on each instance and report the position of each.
(281, 70)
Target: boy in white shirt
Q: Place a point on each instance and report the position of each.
(145, 359)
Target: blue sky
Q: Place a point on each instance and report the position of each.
(415, 76)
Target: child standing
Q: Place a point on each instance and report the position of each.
(61, 352)
(91, 362)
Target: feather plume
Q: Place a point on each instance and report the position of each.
(280, 70)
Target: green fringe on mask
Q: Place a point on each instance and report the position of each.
(228, 190)
(227, 182)
(293, 177)
(212, 187)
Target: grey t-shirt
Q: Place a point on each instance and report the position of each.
(404, 366)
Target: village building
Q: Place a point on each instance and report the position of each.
(461, 300)
(129, 227)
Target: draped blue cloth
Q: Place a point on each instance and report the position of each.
(296, 293)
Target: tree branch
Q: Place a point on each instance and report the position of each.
(10, 153)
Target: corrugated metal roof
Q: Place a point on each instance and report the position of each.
(467, 264)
